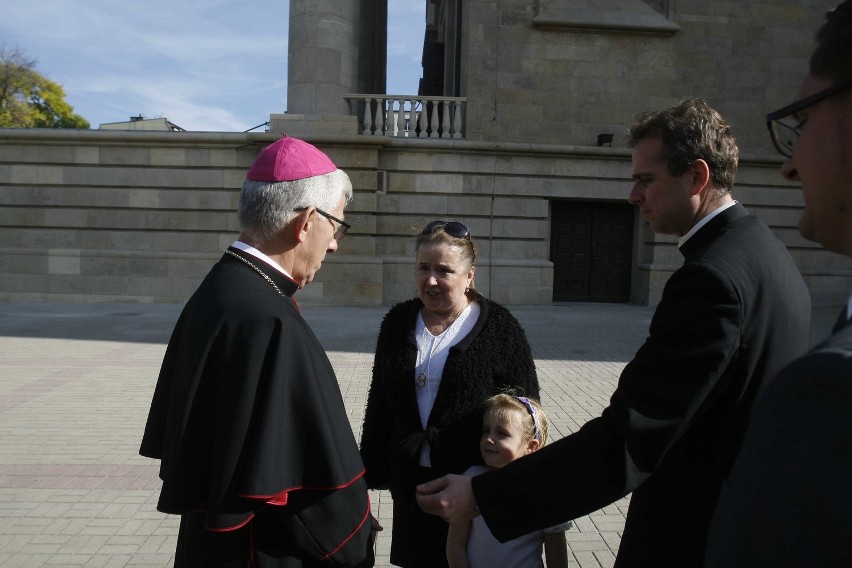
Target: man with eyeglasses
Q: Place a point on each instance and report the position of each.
(257, 454)
(787, 500)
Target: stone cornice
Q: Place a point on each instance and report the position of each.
(603, 16)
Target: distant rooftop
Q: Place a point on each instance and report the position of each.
(139, 123)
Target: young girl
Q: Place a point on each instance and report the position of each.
(513, 426)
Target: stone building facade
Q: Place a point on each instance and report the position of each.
(505, 136)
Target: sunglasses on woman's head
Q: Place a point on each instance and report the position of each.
(452, 228)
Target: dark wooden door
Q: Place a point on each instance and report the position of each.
(591, 249)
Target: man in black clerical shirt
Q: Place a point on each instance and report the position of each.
(786, 502)
(729, 319)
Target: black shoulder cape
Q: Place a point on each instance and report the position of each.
(247, 413)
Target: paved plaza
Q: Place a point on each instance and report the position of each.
(76, 381)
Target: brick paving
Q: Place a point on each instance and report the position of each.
(76, 381)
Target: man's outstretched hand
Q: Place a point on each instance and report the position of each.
(449, 497)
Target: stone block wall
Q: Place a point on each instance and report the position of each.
(142, 216)
(544, 72)
(137, 216)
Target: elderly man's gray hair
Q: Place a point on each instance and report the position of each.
(266, 207)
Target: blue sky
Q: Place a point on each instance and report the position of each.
(216, 65)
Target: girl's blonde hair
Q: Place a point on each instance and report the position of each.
(533, 419)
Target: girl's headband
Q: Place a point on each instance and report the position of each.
(531, 409)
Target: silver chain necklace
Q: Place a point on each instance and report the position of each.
(436, 341)
(258, 270)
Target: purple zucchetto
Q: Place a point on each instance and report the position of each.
(289, 159)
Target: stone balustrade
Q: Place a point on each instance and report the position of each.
(409, 115)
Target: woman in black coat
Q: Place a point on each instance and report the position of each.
(438, 358)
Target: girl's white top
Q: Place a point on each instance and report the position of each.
(485, 551)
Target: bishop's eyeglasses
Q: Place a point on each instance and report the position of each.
(339, 230)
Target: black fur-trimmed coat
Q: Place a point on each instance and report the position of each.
(494, 356)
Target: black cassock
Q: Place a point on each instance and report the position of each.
(257, 454)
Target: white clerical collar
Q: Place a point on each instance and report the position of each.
(703, 222)
(256, 253)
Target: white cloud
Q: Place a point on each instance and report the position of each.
(203, 64)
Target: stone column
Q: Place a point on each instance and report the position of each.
(323, 55)
(322, 66)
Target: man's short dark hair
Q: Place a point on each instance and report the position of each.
(832, 58)
(689, 131)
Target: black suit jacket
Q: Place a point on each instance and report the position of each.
(733, 315)
(787, 500)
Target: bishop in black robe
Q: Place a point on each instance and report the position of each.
(257, 453)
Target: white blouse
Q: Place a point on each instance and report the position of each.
(432, 352)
